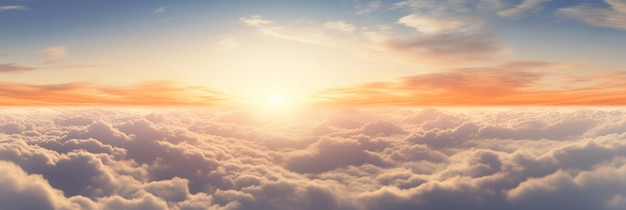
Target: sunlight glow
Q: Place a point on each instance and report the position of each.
(274, 105)
(275, 100)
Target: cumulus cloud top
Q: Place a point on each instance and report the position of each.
(92, 158)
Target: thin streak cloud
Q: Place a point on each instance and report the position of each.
(515, 85)
(164, 93)
(13, 7)
(368, 8)
(159, 10)
(13, 68)
(613, 16)
(54, 54)
(521, 8)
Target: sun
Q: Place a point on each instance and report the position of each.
(275, 100)
(274, 104)
(273, 107)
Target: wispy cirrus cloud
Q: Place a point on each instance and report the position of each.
(613, 16)
(309, 34)
(510, 84)
(226, 45)
(75, 66)
(440, 45)
(442, 48)
(159, 10)
(445, 32)
(255, 20)
(13, 7)
(521, 8)
(368, 8)
(433, 25)
(53, 54)
(13, 68)
(472, 7)
(163, 93)
(340, 25)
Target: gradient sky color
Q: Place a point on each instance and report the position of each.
(409, 53)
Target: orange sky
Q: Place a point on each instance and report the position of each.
(510, 84)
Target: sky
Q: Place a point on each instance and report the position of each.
(343, 52)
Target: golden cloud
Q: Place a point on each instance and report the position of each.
(159, 93)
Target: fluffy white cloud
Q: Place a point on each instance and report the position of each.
(341, 159)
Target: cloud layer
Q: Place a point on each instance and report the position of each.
(93, 158)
